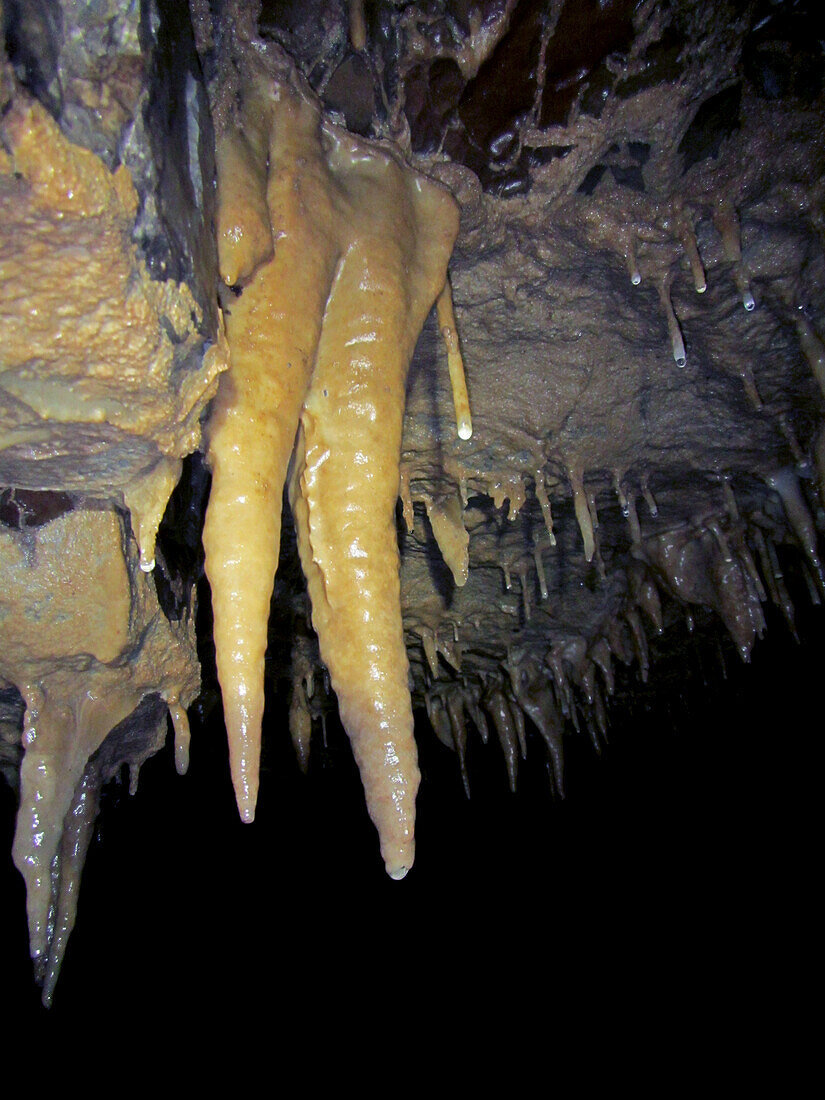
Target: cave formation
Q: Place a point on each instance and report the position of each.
(203, 210)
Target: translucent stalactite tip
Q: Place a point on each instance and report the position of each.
(455, 362)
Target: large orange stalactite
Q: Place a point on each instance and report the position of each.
(321, 335)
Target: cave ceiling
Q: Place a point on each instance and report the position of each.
(628, 198)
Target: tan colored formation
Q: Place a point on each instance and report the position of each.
(84, 640)
(333, 252)
(321, 335)
(95, 402)
(92, 346)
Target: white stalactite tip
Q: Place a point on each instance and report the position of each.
(687, 235)
(679, 357)
(630, 257)
(449, 331)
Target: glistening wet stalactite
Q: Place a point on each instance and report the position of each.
(637, 292)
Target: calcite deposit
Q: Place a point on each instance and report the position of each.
(511, 500)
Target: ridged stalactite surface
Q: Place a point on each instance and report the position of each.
(320, 340)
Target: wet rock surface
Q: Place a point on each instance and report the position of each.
(639, 286)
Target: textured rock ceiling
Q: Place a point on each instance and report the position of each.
(639, 290)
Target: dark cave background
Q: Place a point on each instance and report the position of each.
(680, 860)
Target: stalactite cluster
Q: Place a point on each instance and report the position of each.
(235, 370)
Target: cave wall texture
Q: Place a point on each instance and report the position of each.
(630, 198)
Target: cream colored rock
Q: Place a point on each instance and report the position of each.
(84, 640)
(324, 331)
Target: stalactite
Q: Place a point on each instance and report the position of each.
(714, 526)
(551, 729)
(746, 558)
(587, 679)
(630, 257)
(450, 650)
(67, 868)
(439, 719)
(499, 710)
(363, 245)
(811, 583)
(640, 641)
(766, 566)
(509, 487)
(516, 494)
(544, 503)
(751, 390)
(737, 603)
(617, 640)
(649, 499)
(786, 484)
(555, 663)
(455, 709)
(521, 730)
(601, 655)
(677, 342)
(585, 520)
(772, 571)
(633, 520)
(727, 223)
(428, 644)
(446, 518)
(508, 583)
(332, 250)
(591, 507)
(593, 731)
(473, 707)
(730, 500)
(523, 576)
(272, 347)
(180, 723)
(357, 25)
(621, 495)
(83, 637)
(645, 594)
(455, 362)
(599, 712)
(146, 498)
(540, 571)
(687, 236)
